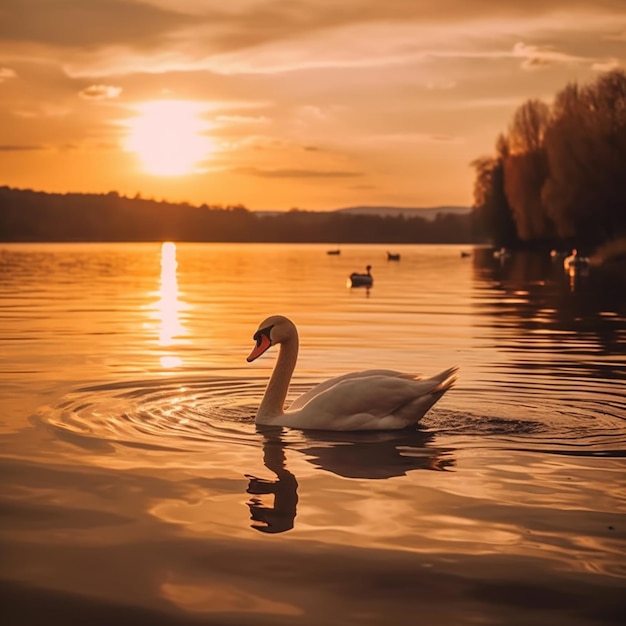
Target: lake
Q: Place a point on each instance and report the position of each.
(137, 488)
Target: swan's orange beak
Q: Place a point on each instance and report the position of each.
(262, 344)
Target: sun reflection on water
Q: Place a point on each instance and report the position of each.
(169, 306)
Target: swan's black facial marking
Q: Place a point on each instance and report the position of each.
(258, 336)
(263, 342)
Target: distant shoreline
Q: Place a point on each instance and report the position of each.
(30, 216)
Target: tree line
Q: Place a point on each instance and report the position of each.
(559, 171)
(27, 215)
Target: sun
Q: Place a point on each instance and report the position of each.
(169, 137)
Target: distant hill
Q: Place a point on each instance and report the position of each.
(428, 213)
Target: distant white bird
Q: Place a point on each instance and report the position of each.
(574, 262)
(367, 400)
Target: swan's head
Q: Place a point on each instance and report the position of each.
(275, 329)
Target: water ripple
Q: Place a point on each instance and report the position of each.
(591, 428)
(180, 413)
(185, 413)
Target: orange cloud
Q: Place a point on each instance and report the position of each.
(536, 57)
(100, 92)
(6, 73)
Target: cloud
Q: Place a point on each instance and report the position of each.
(495, 102)
(246, 24)
(606, 65)
(109, 37)
(241, 119)
(434, 85)
(44, 110)
(100, 92)
(6, 73)
(294, 173)
(87, 24)
(117, 38)
(20, 148)
(536, 56)
(415, 138)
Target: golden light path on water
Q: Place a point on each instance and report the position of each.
(169, 308)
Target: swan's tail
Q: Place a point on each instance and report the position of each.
(444, 380)
(431, 391)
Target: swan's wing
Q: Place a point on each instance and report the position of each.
(375, 401)
(302, 400)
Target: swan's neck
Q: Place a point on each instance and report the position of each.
(273, 403)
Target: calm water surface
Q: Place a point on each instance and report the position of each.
(137, 488)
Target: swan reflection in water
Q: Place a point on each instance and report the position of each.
(281, 516)
(363, 455)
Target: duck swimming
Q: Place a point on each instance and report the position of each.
(366, 400)
(361, 280)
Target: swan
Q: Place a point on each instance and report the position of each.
(575, 262)
(367, 400)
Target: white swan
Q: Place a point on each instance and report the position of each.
(575, 262)
(367, 400)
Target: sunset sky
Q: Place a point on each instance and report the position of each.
(274, 104)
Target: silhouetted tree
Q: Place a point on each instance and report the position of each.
(561, 167)
(526, 171)
(586, 147)
(492, 214)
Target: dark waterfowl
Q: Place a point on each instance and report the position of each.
(361, 280)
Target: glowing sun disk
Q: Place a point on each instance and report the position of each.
(168, 137)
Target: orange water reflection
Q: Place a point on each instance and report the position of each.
(157, 491)
(169, 307)
(204, 594)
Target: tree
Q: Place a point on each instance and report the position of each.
(561, 168)
(585, 193)
(492, 213)
(526, 171)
